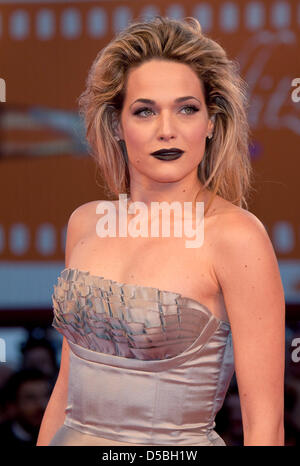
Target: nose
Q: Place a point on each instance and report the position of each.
(166, 128)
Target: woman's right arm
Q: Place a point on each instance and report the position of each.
(54, 415)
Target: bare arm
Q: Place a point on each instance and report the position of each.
(54, 415)
(247, 271)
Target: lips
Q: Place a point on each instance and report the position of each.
(167, 154)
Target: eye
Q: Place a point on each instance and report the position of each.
(193, 109)
(140, 110)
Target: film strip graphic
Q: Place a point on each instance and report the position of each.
(52, 20)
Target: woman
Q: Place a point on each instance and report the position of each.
(153, 330)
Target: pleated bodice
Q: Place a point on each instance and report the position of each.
(147, 366)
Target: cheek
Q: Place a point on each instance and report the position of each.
(197, 133)
(136, 135)
(135, 143)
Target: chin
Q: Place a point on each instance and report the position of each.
(168, 178)
(166, 173)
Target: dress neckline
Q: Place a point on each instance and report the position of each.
(110, 280)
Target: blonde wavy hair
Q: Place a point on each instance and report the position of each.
(225, 169)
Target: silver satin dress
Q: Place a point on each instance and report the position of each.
(147, 366)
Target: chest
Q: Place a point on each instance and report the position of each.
(164, 263)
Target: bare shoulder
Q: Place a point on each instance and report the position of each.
(242, 244)
(83, 211)
(235, 235)
(79, 224)
(246, 269)
(238, 224)
(230, 220)
(83, 216)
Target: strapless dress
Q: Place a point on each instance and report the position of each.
(147, 366)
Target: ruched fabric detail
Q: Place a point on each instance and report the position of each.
(125, 320)
(147, 366)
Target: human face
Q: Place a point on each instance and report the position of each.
(39, 358)
(33, 396)
(165, 123)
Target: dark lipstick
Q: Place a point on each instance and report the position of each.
(168, 154)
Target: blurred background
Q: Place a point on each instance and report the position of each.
(46, 50)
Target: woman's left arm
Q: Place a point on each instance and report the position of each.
(248, 273)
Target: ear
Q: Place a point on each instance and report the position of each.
(210, 126)
(117, 126)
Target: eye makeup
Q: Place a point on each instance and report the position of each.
(193, 107)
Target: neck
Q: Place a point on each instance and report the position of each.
(184, 194)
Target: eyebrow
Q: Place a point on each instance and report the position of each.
(178, 100)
